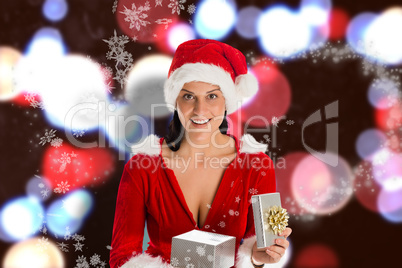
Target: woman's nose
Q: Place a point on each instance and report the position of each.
(200, 107)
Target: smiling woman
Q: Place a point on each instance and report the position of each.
(199, 177)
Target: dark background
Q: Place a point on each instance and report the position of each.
(359, 237)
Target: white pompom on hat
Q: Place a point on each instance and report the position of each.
(213, 62)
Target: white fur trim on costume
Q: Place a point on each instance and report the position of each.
(202, 72)
(145, 260)
(243, 259)
(248, 144)
(149, 146)
(246, 85)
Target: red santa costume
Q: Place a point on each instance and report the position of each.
(150, 193)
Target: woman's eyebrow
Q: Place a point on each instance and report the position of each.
(207, 92)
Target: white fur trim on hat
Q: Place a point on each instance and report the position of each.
(145, 260)
(150, 146)
(243, 258)
(246, 85)
(248, 144)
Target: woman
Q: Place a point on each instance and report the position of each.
(198, 176)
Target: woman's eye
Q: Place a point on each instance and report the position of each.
(213, 96)
(188, 96)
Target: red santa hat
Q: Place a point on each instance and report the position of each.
(212, 62)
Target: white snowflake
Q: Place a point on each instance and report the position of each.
(49, 135)
(176, 5)
(30, 97)
(123, 59)
(263, 173)
(267, 138)
(78, 246)
(231, 212)
(191, 9)
(201, 250)
(114, 7)
(95, 259)
(81, 262)
(44, 193)
(137, 17)
(253, 191)
(42, 243)
(78, 132)
(63, 247)
(174, 261)
(164, 21)
(187, 259)
(236, 213)
(238, 199)
(290, 122)
(158, 3)
(275, 121)
(65, 159)
(222, 224)
(56, 142)
(62, 187)
(43, 229)
(77, 237)
(67, 234)
(190, 265)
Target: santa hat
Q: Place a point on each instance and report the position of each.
(212, 62)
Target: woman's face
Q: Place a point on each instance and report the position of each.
(201, 108)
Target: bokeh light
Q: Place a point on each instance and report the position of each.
(144, 88)
(366, 188)
(55, 10)
(215, 19)
(316, 256)
(384, 93)
(246, 25)
(390, 118)
(59, 221)
(369, 142)
(356, 31)
(179, 33)
(33, 253)
(390, 204)
(272, 99)
(38, 188)
(324, 189)
(386, 166)
(78, 204)
(315, 12)
(282, 32)
(9, 57)
(77, 166)
(338, 23)
(20, 218)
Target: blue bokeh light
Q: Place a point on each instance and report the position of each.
(55, 10)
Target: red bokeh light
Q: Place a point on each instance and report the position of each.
(390, 118)
(338, 23)
(317, 256)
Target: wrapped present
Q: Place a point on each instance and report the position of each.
(199, 249)
(270, 219)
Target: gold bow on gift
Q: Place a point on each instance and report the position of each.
(275, 219)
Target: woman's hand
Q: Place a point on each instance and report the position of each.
(274, 253)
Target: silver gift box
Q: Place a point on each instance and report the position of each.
(199, 249)
(260, 203)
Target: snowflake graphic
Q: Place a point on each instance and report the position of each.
(236, 213)
(78, 246)
(164, 21)
(275, 121)
(43, 229)
(158, 3)
(56, 142)
(137, 17)
(231, 212)
(123, 59)
(222, 224)
(62, 187)
(267, 138)
(44, 193)
(290, 122)
(67, 234)
(238, 199)
(200, 250)
(63, 247)
(49, 135)
(77, 237)
(114, 7)
(190, 265)
(78, 132)
(30, 97)
(65, 159)
(191, 9)
(253, 191)
(174, 261)
(95, 259)
(42, 244)
(81, 262)
(176, 6)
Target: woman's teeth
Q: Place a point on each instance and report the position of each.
(200, 122)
